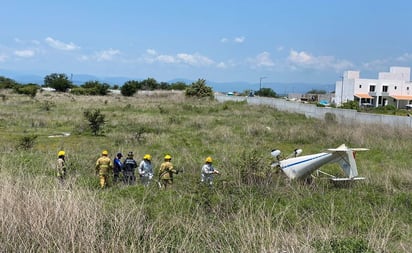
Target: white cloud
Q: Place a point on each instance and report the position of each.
(151, 51)
(23, 42)
(166, 59)
(24, 53)
(375, 64)
(300, 57)
(307, 60)
(84, 58)
(378, 64)
(61, 45)
(224, 40)
(262, 60)
(221, 65)
(106, 55)
(181, 58)
(194, 59)
(19, 41)
(239, 39)
(405, 57)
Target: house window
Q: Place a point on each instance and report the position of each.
(385, 88)
(395, 87)
(360, 86)
(372, 88)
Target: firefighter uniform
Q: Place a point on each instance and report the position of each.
(166, 172)
(104, 166)
(61, 166)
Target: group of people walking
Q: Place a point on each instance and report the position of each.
(125, 170)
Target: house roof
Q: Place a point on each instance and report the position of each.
(362, 95)
(399, 97)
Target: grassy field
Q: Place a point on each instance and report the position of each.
(249, 209)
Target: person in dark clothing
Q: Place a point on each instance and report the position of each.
(117, 167)
(129, 167)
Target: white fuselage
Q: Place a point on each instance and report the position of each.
(302, 166)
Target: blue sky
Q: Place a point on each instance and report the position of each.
(308, 41)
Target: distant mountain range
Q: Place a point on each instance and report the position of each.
(234, 86)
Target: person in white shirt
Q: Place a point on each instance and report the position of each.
(146, 170)
(208, 172)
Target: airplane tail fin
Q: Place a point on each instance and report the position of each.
(347, 160)
(348, 164)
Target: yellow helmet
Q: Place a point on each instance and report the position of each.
(168, 157)
(147, 157)
(105, 152)
(61, 153)
(208, 159)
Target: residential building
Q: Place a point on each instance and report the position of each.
(391, 88)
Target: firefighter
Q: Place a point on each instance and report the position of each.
(117, 163)
(166, 172)
(146, 170)
(129, 167)
(61, 166)
(208, 172)
(103, 168)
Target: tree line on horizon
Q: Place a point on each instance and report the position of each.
(60, 82)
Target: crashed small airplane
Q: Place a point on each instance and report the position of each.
(302, 167)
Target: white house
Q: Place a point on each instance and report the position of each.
(391, 88)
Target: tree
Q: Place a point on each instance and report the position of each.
(7, 83)
(163, 86)
(129, 88)
(96, 88)
(266, 92)
(199, 89)
(60, 82)
(178, 86)
(315, 91)
(96, 120)
(149, 84)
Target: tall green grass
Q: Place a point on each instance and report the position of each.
(250, 208)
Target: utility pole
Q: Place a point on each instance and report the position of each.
(260, 82)
(341, 93)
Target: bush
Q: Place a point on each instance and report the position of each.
(128, 89)
(199, 89)
(96, 120)
(96, 88)
(350, 105)
(266, 92)
(30, 89)
(47, 105)
(79, 91)
(7, 83)
(26, 142)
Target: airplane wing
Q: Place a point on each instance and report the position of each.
(344, 148)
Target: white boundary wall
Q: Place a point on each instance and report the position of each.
(310, 110)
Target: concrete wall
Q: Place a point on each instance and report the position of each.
(310, 110)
